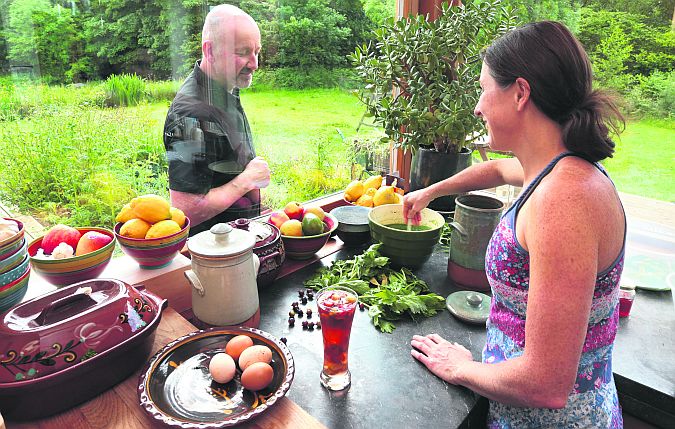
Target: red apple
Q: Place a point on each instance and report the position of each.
(294, 210)
(60, 234)
(278, 218)
(91, 241)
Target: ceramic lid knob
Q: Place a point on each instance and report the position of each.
(473, 299)
(469, 306)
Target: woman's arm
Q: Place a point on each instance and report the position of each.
(563, 247)
(479, 176)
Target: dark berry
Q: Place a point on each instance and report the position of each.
(291, 321)
(305, 325)
(291, 313)
(283, 340)
(310, 296)
(304, 300)
(362, 306)
(301, 293)
(311, 326)
(299, 312)
(309, 313)
(295, 304)
(318, 325)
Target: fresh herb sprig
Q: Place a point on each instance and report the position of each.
(389, 294)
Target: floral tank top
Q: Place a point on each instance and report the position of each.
(593, 402)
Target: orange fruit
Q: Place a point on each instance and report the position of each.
(163, 228)
(291, 228)
(151, 208)
(177, 216)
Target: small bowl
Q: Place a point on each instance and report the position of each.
(11, 245)
(61, 272)
(10, 275)
(175, 387)
(153, 253)
(14, 259)
(12, 293)
(353, 228)
(405, 248)
(305, 247)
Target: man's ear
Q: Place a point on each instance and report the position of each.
(522, 95)
(207, 51)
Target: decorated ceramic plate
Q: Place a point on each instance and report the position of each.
(176, 389)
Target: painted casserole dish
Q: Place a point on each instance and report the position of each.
(81, 339)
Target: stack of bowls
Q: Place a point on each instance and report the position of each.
(153, 253)
(14, 268)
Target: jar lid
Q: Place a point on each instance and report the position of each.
(222, 240)
(469, 306)
(264, 232)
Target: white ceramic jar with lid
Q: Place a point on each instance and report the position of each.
(223, 275)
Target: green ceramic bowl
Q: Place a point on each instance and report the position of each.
(405, 248)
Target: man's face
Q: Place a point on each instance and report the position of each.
(235, 56)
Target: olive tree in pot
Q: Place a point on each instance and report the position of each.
(421, 85)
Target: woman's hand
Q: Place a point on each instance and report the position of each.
(441, 357)
(413, 204)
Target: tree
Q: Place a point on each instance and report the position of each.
(655, 12)
(19, 32)
(311, 34)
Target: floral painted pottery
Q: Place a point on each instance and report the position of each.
(153, 253)
(62, 272)
(268, 247)
(223, 275)
(176, 389)
(305, 247)
(69, 345)
(405, 247)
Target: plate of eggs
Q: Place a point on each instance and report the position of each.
(215, 378)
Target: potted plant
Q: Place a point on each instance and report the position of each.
(421, 84)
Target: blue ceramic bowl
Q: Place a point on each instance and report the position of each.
(16, 272)
(13, 294)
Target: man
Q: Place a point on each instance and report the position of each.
(214, 174)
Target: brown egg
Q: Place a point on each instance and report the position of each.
(257, 376)
(222, 368)
(254, 354)
(237, 345)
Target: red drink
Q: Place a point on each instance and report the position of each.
(626, 297)
(337, 306)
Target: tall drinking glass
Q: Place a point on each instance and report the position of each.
(337, 306)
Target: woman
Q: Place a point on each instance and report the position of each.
(555, 259)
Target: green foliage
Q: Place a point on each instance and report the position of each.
(611, 56)
(653, 95)
(379, 11)
(434, 67)
(304, 78)
(124, 90)
(79, 166)
(565, 11)
(311, 33)
(656, 12)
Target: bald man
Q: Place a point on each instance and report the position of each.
(214, 174)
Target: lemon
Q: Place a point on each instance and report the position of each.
(365, 201)
(354, 190)
(370, 191)
(134, 228)
(125, 214)
(177, 216)
(151, 208)
(385, 195)
(373, 182)
(163, 228)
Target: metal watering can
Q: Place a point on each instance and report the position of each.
(475, 219)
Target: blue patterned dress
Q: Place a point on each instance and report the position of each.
(593, 402)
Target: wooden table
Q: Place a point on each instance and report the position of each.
(119, 407)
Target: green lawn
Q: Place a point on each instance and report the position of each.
(644, 162)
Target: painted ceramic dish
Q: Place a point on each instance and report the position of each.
(12, 244)
(176, 389)
(268, 246)
(79, 340)
(405, 248)
(353, 228)
(61, 272)
(306, 247)
(153, 253)
(12, 293)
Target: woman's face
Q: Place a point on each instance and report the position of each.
(497, 106)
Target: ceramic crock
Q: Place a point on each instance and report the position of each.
(268, 247)
(67, 346)
(223, 275)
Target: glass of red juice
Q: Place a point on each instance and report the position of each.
(337, 305)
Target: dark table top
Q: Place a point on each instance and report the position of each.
(389, 388)
(388, 385)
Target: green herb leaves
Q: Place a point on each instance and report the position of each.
(389, 294)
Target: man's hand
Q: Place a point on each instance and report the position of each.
(257, 174)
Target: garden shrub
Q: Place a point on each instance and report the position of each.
(301, 78)
(653, 95)
(164, 90)
(124, 90)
